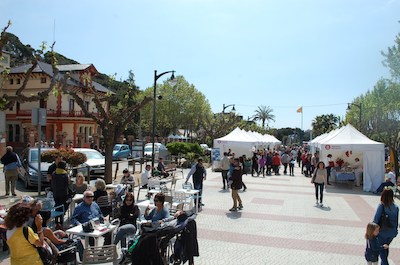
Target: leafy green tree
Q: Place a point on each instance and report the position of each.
(181, 107)
(324, 123)
(381, 115)
(392, 59)
(264, 114)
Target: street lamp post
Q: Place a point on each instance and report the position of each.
(359, 106)
(224, 107)
(153, 129)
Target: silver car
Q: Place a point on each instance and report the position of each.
(95, 163)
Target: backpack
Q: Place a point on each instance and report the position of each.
(48, 257)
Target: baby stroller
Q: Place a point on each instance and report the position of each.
(156, 245)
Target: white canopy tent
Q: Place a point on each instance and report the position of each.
(242, 142)
(348, 143)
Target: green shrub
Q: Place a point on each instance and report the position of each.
(176, 148)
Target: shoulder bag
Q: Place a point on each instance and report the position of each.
(314, 176)
(48, 257)
(384, 221)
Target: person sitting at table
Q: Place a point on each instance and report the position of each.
(22, 251)
(127, 179)
(146, 175)
(79, 186)
(160, 213)
(89, 210)
(161, 168)
(387, 183)
(128, 214)
(100, 186)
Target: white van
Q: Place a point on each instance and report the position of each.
(159, 149)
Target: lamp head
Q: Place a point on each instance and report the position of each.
(348, 106)
(172, 80)
(233, 108)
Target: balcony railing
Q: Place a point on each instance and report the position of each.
(55, 113)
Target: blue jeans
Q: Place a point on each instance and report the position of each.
(384, 253)
(320, 188)
(198, 186)
(123, 232)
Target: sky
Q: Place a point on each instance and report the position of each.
(283, 54)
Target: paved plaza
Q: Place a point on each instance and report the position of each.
(280, 223)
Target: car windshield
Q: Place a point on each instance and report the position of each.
(34, 155)
(92, 154)
(116, 148)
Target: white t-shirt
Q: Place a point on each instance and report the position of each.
(392, 177)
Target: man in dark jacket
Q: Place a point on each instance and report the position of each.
(11, 164)
(59, 187)
(199, 174)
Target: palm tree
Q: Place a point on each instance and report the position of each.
(264, 114)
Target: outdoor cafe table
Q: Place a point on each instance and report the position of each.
(191, 193)
(101, 230)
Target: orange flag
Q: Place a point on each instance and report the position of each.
(300, 110)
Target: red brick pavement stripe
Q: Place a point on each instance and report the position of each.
(361, 208)
(285, 243)
(267, 201)
(284, 218)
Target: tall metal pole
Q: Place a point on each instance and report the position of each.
(153, 129)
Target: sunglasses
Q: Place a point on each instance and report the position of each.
(91, 197)
(128, 200)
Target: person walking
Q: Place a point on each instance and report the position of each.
(389, 230)
(59, 186)
(11, 163)
(199, 174)
(373, 245)
(285, 161)
(276, 162)
(319, 179)
(261, 163)
(254, 165)
(241, 163)
(225, 169)
(236, 178)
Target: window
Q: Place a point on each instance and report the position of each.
(11, 81)
(10, 133)
(43, 103)
(43, 80)
(18, 81)
(71, 105)
(87, 105)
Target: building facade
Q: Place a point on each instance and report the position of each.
(66, 123)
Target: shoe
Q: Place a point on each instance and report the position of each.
(233, 209)
(321, 204)
(240, 207)
(5, 195)
(244, 189)
(316, 202)
(202, 204)
(14, 194)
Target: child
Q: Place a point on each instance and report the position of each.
(373, 247)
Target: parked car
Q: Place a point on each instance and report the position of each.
(121, 151)
(206, 149)
(160, 150)
(95, 163)
(31, 167)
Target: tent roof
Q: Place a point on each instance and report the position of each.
(348, 135)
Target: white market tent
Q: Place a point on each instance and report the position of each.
(242, 142)
(348, 143)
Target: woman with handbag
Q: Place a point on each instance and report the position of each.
(387, 216)
(319, 179)
(22, 251)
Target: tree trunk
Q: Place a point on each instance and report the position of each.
(395, 165)
(109, 146)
